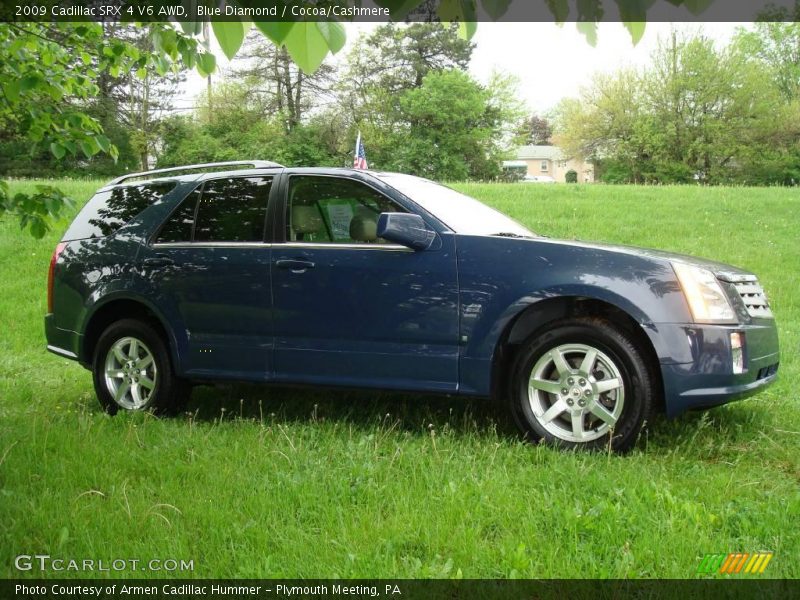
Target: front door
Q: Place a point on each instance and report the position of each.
(353, 309)
(210, 266)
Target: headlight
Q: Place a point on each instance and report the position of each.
(707, 301)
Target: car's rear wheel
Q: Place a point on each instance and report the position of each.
(582, 383)
(132, 371)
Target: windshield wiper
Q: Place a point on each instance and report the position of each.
(508, 234)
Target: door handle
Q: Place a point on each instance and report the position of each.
(296, 265)
(159, 260)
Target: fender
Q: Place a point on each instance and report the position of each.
(177, 341)
(591, 292)
(494, 292)
(477, 358)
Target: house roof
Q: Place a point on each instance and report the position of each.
(539, 153)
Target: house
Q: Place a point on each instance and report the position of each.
(551, 161)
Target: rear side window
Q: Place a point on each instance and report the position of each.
(107, 211)
(223, 210)
(179, 226)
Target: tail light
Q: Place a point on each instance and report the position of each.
(51, 274)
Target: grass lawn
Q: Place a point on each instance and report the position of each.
(262, 482)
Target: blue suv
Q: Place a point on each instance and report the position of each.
(335, 277)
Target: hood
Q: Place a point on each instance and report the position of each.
(722, 271)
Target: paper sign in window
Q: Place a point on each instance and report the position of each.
(339, 213)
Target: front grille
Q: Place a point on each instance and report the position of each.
(754, 298)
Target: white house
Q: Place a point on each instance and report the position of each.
(551, 161)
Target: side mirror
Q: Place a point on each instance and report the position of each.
(405, 229)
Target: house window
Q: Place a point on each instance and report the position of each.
(544, 166)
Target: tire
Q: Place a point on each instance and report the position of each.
(601, 395)
(132, 371)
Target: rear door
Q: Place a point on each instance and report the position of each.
(209, 270)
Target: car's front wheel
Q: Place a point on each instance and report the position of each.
(132, 371)
(582, 383)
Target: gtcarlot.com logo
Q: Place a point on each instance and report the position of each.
(45, 562)
(735, 563)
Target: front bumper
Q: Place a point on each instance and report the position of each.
(697, 363)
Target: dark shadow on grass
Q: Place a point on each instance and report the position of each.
(369, 410)
(736, 423)
(418, 414)
(363, 409)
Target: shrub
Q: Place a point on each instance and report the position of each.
(512, 174)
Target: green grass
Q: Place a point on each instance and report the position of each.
(262, 482)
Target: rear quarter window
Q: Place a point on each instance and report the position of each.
(109, 210)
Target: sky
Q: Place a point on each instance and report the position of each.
(553, 62)
(550, 62)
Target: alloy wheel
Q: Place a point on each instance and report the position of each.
(576, 392)
(130, 373)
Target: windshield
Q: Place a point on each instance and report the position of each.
(458, 211)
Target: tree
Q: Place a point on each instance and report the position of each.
(451, 129)
(397, 58)
(49, 72)
(696, 114)
(606, 124)
(127, 106)
(283, 87)
(536, 131)
(240, 127)
(385, 65)
(390, 61)
(706, 105)
(308, 43)
(248, 117)
(137, 100)
(776, 45)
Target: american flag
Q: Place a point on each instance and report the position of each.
(360, 159)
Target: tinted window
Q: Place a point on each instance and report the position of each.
(108, 211)
(232, 210)
(179, 226)
(333, 210)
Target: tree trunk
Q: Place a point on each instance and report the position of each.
(145, 118)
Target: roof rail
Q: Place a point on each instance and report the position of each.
(256, 164)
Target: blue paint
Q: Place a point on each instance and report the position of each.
(426, 311)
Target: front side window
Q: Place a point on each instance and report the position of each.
(223, 210)
(107, 211)
(334, 211)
